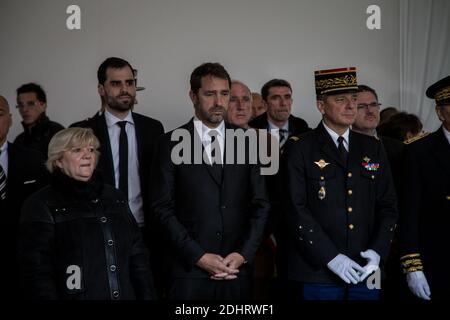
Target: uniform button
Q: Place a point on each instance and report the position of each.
(218, 234)
(351, 226)
(350, 192)
(310, 242)
(448, 197)
(322, 178)
(300, 238)
(110, 242)
(94, 200)
(349, 175)
(311, 230)
(300, 227)
(115, 294)
(103, 219)
(373, 177)
(112, 268)
(350, 209)
(223, 207)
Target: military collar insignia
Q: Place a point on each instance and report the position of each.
(370, 166)
(321, 164)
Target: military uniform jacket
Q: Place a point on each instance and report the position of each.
(357, 210)
(425, 208)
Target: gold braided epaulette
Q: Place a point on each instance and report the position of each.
(418, 137)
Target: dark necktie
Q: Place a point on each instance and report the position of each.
(123, 159)
(341, 149)
(283, 135)
(215, 147)
(2, 182)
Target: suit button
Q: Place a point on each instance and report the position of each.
(349, 175)
(350, 192)
(116, 294)
(218, 234)
(103, 219)
(350, 209)
(110, 242)
(351, 226)
(112, 268)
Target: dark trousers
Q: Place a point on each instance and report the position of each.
(325, 291)
(208, 289)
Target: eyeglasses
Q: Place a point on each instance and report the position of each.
(29, 104)
(367, 106)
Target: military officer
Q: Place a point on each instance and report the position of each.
(425, 204)
(340, 205)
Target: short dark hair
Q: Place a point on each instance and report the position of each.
(273, 83)
(208, 69)
(33, 87)
(364, 88)
(112, 62)
(399, 125)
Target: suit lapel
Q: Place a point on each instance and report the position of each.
(140, 134)
(105, 149)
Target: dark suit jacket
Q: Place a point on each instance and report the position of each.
(321, 229)
(425, 208)
(26, 174)
(147, 132)
(203, 213)
(296, 125)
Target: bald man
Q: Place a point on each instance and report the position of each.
(239, 110)
(21, 174)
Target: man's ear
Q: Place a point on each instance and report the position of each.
(439, 114)
(321, 106)
(194, 97)
(101, 90)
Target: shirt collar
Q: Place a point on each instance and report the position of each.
(275, 127)
(111, 120)
(4, 147)
(203, 130)
(335, 136)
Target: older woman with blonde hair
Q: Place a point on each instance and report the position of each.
(78, 237)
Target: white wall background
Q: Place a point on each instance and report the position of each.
(256, 40)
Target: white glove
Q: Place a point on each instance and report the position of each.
(373, 262)
(347, 269)
(418, 284)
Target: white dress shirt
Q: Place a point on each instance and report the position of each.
(275, 130)
(203, 132)
(335, 136)
(4, 157)
(134, 185)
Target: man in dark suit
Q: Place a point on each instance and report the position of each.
(127, 142)
(277, 120)
(425, 204)
(214, 215)
(366, 122)
(22, 172)
(340, 203)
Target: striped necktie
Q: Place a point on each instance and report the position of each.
(2, 182)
